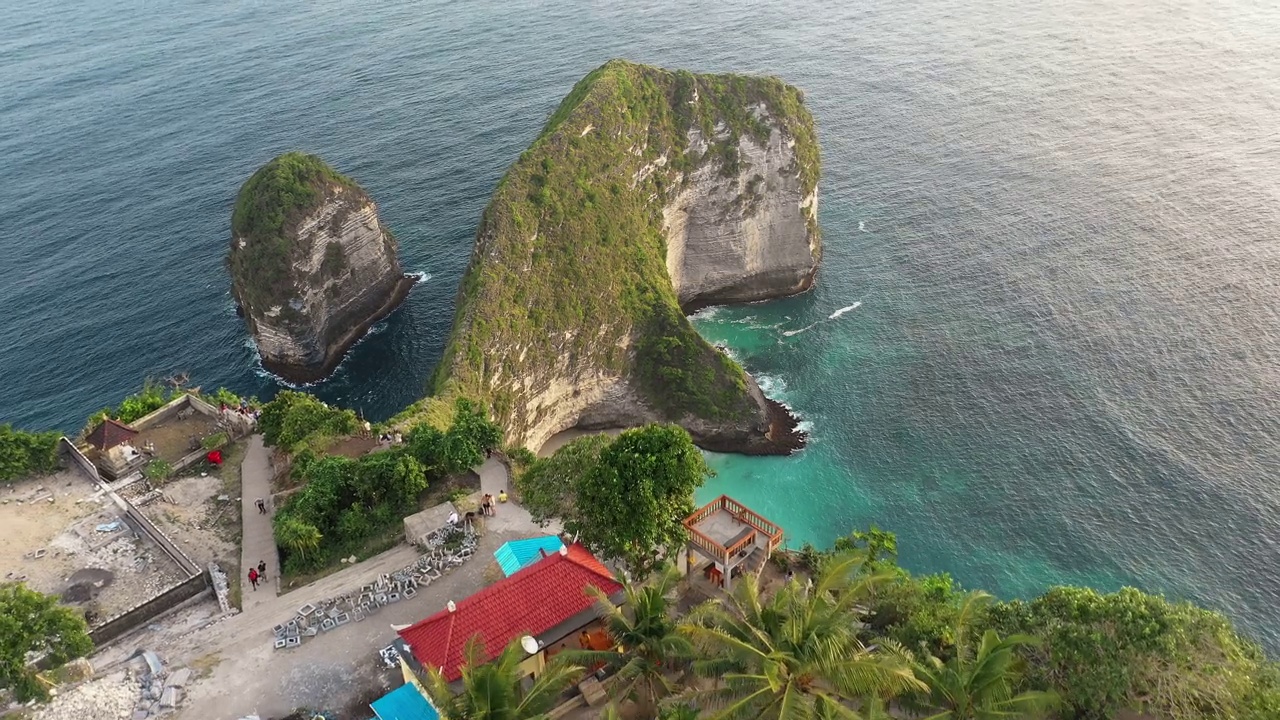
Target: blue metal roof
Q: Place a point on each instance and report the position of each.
(404, 703)
(517, 554)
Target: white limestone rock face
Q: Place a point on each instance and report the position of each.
(744, 236)
(344, 277)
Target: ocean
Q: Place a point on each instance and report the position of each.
(1057, 220)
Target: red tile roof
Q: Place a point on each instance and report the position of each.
(530, 602)
(109, 434)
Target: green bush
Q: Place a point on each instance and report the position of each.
(223, 396)
(152, 397)
(1106, 652)
(34, 624)
(158, 470)
(295, 421)
(345, 501)
(25, 453)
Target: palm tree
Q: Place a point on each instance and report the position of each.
(976, 682)
(646, 643)
(296, 535)
(795, 655)
(492, 690)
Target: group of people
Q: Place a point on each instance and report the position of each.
(257, 574)
(244, 409)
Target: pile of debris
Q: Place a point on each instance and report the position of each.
(447, 548)
(144, 689)
(159, 690)
(107, 698)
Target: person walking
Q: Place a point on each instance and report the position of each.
(253, 578)
(262, 570)
(262, 506)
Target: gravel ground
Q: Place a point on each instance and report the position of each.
(112, 697)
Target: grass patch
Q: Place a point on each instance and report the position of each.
(570, 264)
(203, 666)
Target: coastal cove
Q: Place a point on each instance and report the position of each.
(1062, 366)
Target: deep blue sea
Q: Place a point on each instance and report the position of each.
(1061, 221)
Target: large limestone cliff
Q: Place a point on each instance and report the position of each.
(649, 192)
(312, 268)
(747, 237)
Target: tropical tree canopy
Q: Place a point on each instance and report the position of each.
(647, 644)
(632, 504)
(795, 654)
(492, 690)
(977, 682)
(32, 622)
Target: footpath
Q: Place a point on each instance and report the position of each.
(257, 543)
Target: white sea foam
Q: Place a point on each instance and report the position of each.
(789, 333)
(771, 385)
(862, 226)
(844, 310)
(706, 313)
(376, 329)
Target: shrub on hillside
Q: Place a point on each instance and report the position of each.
(25, 453)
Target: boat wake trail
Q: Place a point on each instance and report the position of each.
(832, 316)
(789, 333)
(844, 310)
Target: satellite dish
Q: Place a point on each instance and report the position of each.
(529, 644)
(452, 607)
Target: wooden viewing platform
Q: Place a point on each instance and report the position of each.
(732, 536)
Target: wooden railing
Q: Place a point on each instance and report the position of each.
(746, 515)
(740, 511)
(703, 512)
(711, 547)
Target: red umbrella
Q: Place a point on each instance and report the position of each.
(214, 456)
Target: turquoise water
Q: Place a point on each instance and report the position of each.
(1059, 219)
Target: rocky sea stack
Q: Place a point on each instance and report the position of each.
(648, 194)
(312, 268)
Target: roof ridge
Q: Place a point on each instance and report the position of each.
(588, 561)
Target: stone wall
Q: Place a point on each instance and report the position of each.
(77, 460)
(139, 521)
(149, 610)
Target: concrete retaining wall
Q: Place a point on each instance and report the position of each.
(140, 521)
(149, 610)
(77, 460)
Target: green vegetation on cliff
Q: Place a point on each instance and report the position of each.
(570, 258)
(355, 505)
(1097, 653)
(270, 201)
(25, 453)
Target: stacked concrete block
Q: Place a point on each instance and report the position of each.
(444, 549)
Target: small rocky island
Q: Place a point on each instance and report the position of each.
(312, 268)
(649, 194)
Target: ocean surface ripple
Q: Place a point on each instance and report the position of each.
(1059, 220)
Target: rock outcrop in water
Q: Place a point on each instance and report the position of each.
(648, 193)
(312, 268)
